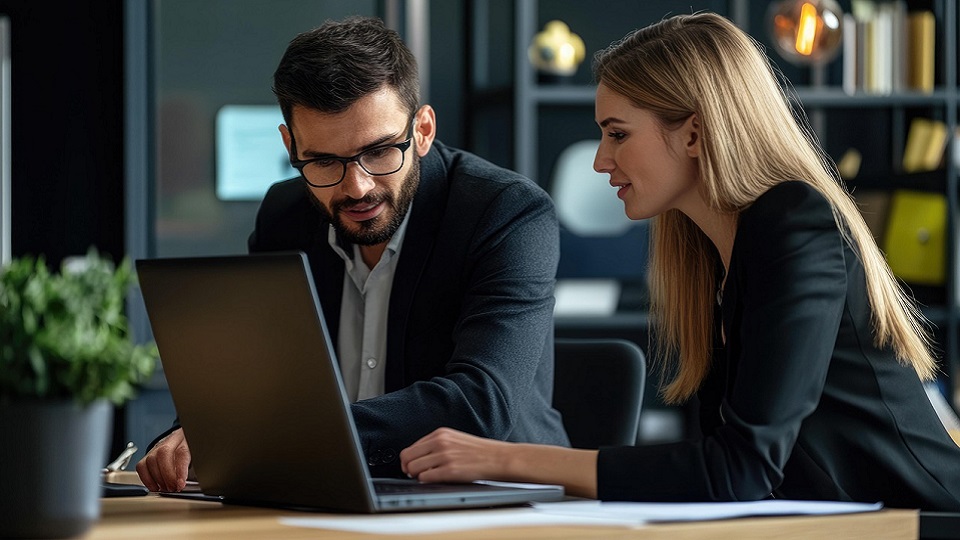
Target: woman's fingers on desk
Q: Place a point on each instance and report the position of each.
(165, 467)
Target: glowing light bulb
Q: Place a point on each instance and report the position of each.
(806, 31)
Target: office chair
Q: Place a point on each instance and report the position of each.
(598, 388)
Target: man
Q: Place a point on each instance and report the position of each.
(435, 268)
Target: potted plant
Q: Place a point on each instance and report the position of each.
(65, 354)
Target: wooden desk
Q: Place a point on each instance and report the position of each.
(158, 518)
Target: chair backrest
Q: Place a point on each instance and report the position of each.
(598, 388)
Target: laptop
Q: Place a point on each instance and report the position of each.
(255, 381)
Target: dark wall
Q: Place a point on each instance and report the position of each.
(67, 126)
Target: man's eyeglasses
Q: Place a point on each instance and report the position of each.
(328, 171)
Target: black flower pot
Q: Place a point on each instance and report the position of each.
(51, 455)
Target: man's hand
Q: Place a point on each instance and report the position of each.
(165, 467)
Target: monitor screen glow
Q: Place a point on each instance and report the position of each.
(250, 152)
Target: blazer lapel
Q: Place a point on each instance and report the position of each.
(328, 277)
(428, 209)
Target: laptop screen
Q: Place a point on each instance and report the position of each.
(255, 381)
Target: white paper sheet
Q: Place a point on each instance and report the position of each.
(653, 512)
(461, 520)
(514, 485)
(579, 513)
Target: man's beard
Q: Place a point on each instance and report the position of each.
(379, 229)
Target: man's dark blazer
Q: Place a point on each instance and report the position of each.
(470, 322)
(798, 403)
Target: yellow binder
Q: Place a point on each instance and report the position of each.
(916, 237)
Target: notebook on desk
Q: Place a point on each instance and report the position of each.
(255, 381)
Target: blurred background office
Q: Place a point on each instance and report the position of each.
(148, 128)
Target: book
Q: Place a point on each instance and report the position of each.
(898, 43)
(871, 58)
(853, 32)
(879, 53)
(886, 49)
(921, 54)
(926, 142)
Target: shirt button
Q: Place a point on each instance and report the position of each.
(371, 363)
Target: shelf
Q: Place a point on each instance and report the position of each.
(836, 97)
(583, 94)
(564, 94)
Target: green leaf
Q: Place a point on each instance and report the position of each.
(66, 334)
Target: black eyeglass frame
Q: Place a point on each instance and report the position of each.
(299, 164)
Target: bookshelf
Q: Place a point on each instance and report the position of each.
(819, 92)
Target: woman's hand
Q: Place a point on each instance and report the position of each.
(448, 455)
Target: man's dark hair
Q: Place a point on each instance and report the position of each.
(331, 67)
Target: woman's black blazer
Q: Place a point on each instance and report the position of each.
(799, 403)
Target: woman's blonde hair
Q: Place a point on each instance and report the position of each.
(750, 141)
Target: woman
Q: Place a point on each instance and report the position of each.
(806, 356)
